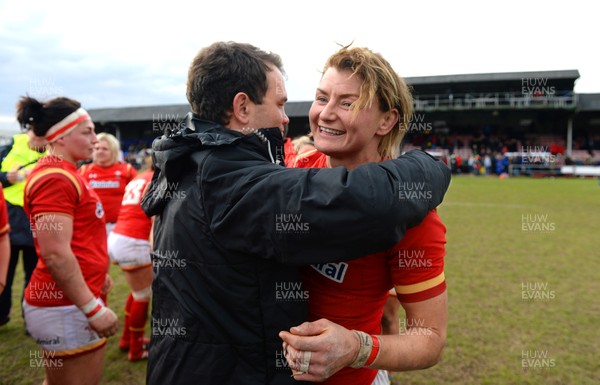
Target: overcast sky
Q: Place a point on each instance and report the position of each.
(128, 53)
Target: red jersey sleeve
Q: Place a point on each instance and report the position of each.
(417, 261)
(4, 226)
(55, 191)
(289, 152)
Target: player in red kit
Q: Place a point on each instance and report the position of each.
(107, 176)
(62, 306)
(4, 241)
(359, 115)
(129, 247)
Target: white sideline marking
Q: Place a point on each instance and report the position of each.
(473, 204)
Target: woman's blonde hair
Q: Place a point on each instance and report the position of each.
(301, 141)
(113, 145)
(379, 80)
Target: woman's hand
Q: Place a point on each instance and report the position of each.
(331, 346)
(108, 285)
(106, 325)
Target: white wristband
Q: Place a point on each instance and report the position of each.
(364, 351)
(99, 314)
(88, 307)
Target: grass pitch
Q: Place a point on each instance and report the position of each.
(523, 273)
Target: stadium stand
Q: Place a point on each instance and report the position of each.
(465, 116)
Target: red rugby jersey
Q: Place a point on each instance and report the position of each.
(109, 183)
(353, 293)
(55, 188)
(132, 220)
(4, 226)
(308, 159)
(289, 151)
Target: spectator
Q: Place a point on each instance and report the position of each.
(19, 158)
(459, 163)
(501, 164)
(487, 164)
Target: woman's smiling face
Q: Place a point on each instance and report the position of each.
(338, 130)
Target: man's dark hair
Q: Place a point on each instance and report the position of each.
(223, 69)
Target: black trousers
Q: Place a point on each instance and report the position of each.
(29, 262)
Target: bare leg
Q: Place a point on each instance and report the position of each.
(84, 369)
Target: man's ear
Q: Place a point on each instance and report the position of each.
(388, 121)
(242, 105)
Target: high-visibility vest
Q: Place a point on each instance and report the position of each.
(20, 155)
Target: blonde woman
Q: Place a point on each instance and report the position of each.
(108, 176)
(359, 115)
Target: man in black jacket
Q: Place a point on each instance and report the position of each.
(233, 225)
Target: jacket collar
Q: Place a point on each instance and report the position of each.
(196, 132)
